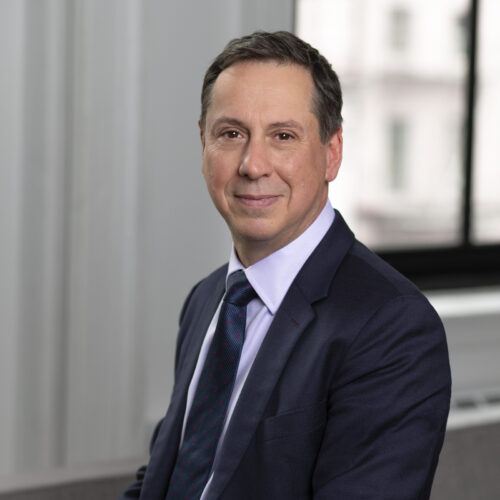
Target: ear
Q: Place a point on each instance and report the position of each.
(334, 155)
(202, 136)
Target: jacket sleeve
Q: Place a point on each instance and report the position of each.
(388, 408)
(134, 490)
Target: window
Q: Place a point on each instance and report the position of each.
(462, 30)
(423, 190)
(486, 173)
(398, 134)
(399, 29)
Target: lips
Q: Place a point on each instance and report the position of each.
(257, 200)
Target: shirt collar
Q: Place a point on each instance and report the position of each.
(272, 276)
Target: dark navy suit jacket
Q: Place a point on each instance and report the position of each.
(348, 396)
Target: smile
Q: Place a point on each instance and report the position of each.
(256, 201)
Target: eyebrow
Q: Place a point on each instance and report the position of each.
(238, 123)
(287, 124)
(228, 121)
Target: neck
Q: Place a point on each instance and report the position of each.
(249, 256)
(250, 250)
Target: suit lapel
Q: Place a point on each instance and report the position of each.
(292, 318)
(167, 443)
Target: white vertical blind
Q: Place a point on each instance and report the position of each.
(11, 83)
(102, 210)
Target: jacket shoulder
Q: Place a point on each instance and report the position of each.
(374, 276)
(203, 288)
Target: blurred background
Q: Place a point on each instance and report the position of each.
(102, 203)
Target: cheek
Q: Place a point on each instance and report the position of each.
(211, 169)
(216, 178)
(298, 177)
(306, 182)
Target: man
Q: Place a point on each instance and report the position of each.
(322, 373)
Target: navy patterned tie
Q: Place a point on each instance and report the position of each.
(208, 410)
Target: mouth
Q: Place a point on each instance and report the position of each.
(257, 200)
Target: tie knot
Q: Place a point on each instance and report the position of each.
(239, 291)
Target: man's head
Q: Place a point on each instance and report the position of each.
(267, 158)
(284, 48)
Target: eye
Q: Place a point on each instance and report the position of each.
(231, 134)
(284, 136)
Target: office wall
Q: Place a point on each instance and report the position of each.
(102, 211)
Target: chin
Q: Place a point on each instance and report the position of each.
(255, 237)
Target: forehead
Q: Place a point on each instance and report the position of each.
(264, 86)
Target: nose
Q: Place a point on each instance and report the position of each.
(256, 161)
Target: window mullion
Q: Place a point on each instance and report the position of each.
(467, 208)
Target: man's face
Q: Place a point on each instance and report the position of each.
(264, 164)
